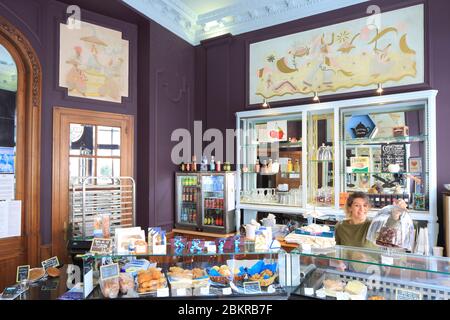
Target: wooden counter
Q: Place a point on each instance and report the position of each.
(202, 234)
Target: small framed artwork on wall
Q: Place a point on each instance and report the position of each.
(415, 164)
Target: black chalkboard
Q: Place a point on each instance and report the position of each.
(52, 262)
(23, 273)
(393, 153)
(101, 246)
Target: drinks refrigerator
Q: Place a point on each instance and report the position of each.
(205, 201)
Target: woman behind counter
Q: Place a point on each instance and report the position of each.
(352, 231)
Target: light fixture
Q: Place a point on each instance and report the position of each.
(380, 89)
(316, 96)
(265, 104)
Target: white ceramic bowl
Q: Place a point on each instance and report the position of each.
(447, 186)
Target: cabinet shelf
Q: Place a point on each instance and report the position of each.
(383, 140)
(280, 145)
(367, 173)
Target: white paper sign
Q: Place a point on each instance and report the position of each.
(387, 260)
(10, 219)
(309, 291)
(342, 296)
(211, 248)
(7, 187)
(306, 248)
(204, 291)
(163, 292)
(226, 291)
(181, 292)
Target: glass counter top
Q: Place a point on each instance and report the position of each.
(385, 257)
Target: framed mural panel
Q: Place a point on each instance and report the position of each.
(345, 57)
(93, 62)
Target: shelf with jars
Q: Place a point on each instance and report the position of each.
(343, 146)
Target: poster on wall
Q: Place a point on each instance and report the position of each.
(277, 131)
(6, 160)
(93, 62)
(346, 57)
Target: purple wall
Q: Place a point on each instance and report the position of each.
(222, 91)
(155, 50)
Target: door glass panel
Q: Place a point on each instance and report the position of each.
(8, 124)
(108, 141)
(82, 139)
(213, 200)
(80, 167)
(187, 199)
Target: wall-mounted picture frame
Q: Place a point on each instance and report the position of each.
(415, 164)
(351, 56)
(93, 62)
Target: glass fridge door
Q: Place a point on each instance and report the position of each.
(213, 200)
(187, 199)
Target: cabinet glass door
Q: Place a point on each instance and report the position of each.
(187, 199)
(271, 161)
(385, 154)
(213, 199)
(321, 159)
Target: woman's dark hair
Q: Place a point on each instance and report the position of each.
(351, 198)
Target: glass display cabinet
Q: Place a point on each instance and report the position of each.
(347, 273)
(309, 158)
(190, 270)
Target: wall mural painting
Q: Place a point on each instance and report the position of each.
(93, 62)
(345, 57)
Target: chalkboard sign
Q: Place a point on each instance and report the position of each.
(23, 273)
(403, 294)
(52, 262)
(393, 153)
(252, 287)
(109, 271)
(101, 246)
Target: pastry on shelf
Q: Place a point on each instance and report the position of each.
(355, 287)
(150, 280)
(332, 286)
(376, 298)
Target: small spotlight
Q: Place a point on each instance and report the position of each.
(316, 96)
(265, 103)
(380, 89)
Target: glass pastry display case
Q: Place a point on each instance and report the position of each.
(347, 273)
(196, 269)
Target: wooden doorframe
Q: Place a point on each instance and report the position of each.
(62, 117)
(28, 104)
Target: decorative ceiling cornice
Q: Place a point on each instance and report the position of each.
(247, 15)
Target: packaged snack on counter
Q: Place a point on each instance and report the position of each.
(126, 282)
(110, 288)
(106, 225)
(157, 241)
(392, 227)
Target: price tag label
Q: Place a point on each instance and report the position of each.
(402, 294)
(109, 271)
(23, 273)
(342, 296)
(252, 287)
(211, 248)
(181, 292)
(309, 291)
(52, 262)
(204, 291)
(163, 292)
(321, 294)
(387, 260)
(226, 291)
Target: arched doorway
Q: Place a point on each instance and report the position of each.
(24, 248)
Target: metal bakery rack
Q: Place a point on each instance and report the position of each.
(92, 196)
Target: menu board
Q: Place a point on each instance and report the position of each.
(393, 153)
(23, 273)
(101, 246)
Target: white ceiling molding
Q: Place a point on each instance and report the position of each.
(245, 16)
